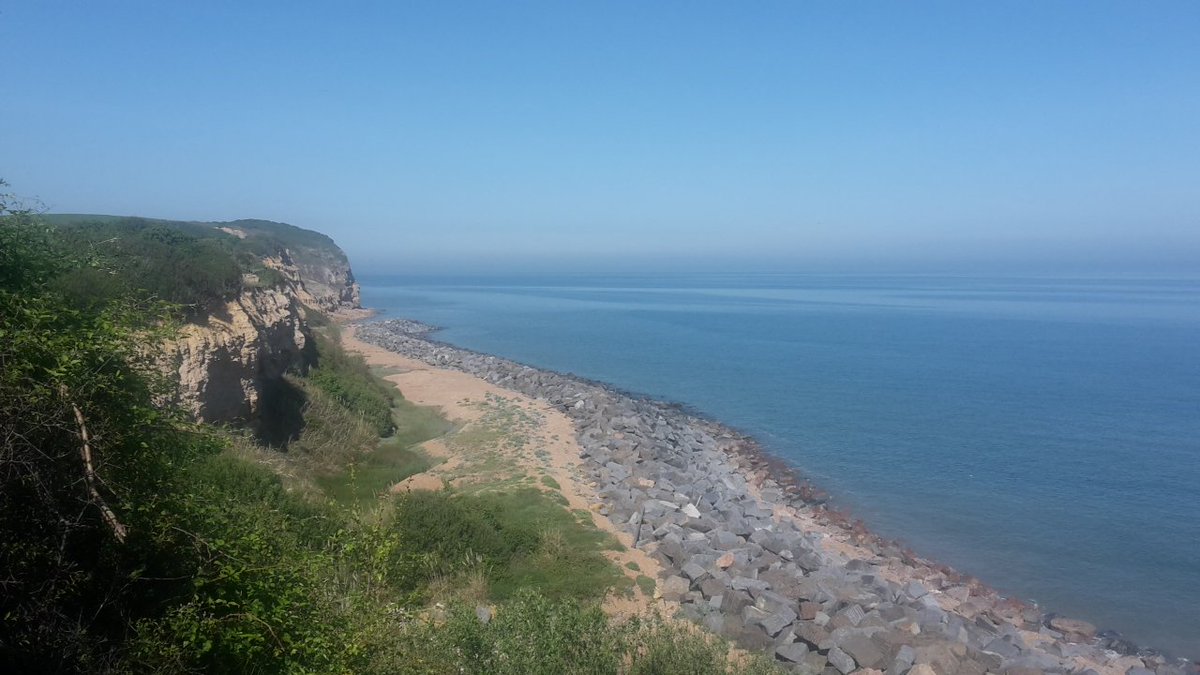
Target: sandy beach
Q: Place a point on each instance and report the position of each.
(549, 449)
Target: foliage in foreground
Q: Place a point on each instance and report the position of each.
(86, 460)
(133, 541)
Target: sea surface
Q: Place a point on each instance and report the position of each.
(1041, 434)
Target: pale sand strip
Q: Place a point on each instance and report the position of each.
(463, 399)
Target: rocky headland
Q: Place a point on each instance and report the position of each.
(227, 356)
(754, 553)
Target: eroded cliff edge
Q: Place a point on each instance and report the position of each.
(230, 352)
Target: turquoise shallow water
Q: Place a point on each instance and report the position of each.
(1041, 434)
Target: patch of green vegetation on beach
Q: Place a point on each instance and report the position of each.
(535, 634)
(495, 449)
(371, 477)
(522, 538)
(416, 424)
(549, 482)
(646, 585)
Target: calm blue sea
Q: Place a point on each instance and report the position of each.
(1041, 434)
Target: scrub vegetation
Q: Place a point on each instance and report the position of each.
(132, 540)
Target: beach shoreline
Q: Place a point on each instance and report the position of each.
(751, 550)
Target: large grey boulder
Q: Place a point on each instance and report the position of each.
(841, 660)
(865, 651)
(779, 620)
(675, 587)
(792, 653)
(693, 571)
(902, 661)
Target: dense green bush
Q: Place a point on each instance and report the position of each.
(88, 462)
(530, 634)
(163, 261)
(348, 379)
(453, 528)
(268, 277)
(257, 596)
(519, 539)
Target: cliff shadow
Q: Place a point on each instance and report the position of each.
(282, 414)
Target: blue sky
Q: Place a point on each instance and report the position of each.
(500, 136)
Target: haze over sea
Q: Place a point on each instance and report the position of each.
(1042, 434)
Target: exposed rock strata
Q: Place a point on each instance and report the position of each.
(728, 525)
(311, 262)
(323, 283)
(224, 359)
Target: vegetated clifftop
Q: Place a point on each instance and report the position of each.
(242, 333)
(312, 264)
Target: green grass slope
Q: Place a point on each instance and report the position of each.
(134, 541)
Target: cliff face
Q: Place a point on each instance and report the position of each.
(319, 269)
(327, 280)
(325, 283)
(227, 358)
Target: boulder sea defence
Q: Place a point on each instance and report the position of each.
(754, 553)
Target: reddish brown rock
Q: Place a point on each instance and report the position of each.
(808, 610)
(1073, 629)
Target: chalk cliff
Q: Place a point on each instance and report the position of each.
(226, 357)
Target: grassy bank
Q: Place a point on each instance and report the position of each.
(505, 546)
(134, 541)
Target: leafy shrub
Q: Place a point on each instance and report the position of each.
(365, 480)
(348, 379)
(268, 277)
(521, 539)
(89, 463)
(531, 634)
(452, 528)
(161, 260)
